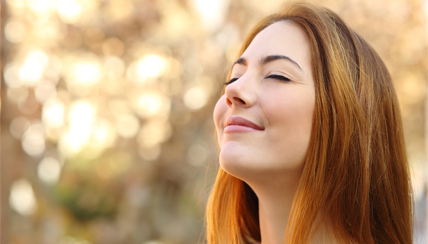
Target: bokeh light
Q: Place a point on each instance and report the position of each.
(197, 154)
(33, 141)
(103, 135)
(49, 170)
(152, 103)
(86, 72)
(81, 115)
(147, 68)
(153, 133)
(11, 75)
(128, 125)
(81, 119)
(44, 90)
(18, 126)
(15, 31)
(22, 198)
(69, 10)
(195, 98)
(53, 113)
(41, 7)
(33, 67)
(211, 13)
(83, 74)
(114, 66)
(150, 153)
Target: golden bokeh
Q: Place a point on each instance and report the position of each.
(107, 131)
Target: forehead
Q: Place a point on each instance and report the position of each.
(281, 38)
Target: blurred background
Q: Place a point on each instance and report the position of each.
(106, 110)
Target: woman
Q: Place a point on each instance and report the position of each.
(311, 140)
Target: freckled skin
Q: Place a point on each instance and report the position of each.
(284, 108)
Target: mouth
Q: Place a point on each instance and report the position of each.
(239, 124)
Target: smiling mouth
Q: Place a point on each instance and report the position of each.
(239, 124)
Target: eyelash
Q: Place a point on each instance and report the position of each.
(230, 81)
(278, 77)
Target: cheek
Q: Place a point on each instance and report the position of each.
(295, 108)
(292, 114)
(219, 115)
(291, 117)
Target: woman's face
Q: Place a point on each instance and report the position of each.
(264, 119)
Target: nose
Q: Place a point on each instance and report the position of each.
(240, 93)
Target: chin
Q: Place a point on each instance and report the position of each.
(233, 161)
(242, 164)
(245, 164)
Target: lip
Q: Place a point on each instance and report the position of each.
(239, 124)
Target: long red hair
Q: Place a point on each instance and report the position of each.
(356, 171)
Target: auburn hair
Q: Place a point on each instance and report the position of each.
(356, 171)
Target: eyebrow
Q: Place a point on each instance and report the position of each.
(268, 59)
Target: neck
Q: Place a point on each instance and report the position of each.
(275, 200)
(273, 215)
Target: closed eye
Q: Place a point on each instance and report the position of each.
(230, 81)
(278, 77)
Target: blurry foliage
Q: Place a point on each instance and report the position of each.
(106, 106)
(87, 201)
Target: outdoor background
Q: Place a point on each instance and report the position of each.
(106, 110)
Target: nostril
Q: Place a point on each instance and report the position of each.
(235, 100)
(239, 100)
(228, 102)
